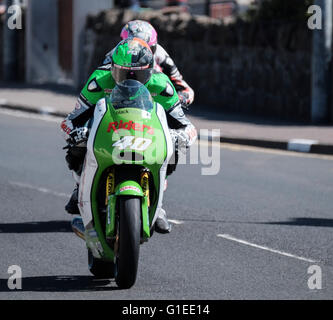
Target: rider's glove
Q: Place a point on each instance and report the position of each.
(180, 138)
(78, 135)
(183, 100)
(183, 140)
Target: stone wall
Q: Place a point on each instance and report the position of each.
(259, 68)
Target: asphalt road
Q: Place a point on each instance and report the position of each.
(249, 232)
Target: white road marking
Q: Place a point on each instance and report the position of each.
(301, 145)
(229, 237)
(40, 189)
(175, 221)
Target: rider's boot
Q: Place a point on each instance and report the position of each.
(78, 227)
(72, 205)
(162, 224)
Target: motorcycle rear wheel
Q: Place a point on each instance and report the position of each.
(129, 232)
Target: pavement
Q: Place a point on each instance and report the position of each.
(254, 230)
(233, 128)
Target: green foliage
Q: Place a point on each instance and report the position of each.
(263, 10)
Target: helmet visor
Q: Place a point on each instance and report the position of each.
(120, 74)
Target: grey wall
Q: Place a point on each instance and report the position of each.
(42, 39)
(81, 9)
(42, 42)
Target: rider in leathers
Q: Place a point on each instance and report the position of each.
(162, 61)
(131, 59)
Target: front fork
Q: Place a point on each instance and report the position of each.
(145, 185)
(111, 195)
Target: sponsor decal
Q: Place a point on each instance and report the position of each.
(65, 128)
(133, 52)
(129, 188)
(130, 125)
(121, 111)
(107, 90)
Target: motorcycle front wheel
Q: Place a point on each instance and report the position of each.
(129, 233)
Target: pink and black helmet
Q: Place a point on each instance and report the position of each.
(140, 29)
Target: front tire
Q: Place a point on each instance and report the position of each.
(99, 268)
(129, 241)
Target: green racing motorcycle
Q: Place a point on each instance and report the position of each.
(122, 181)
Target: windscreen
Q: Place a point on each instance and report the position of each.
(131, 94)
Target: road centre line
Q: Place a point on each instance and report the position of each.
(229, 237)
(175, 221)
(30, 115)
(40, 189)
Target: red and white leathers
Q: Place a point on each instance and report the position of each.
(163, 63)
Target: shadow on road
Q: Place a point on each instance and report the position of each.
(311, 222)
(36, 227)
(61, 284)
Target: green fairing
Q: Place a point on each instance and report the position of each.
(156, 85)
(145, 218)
(153, 157)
